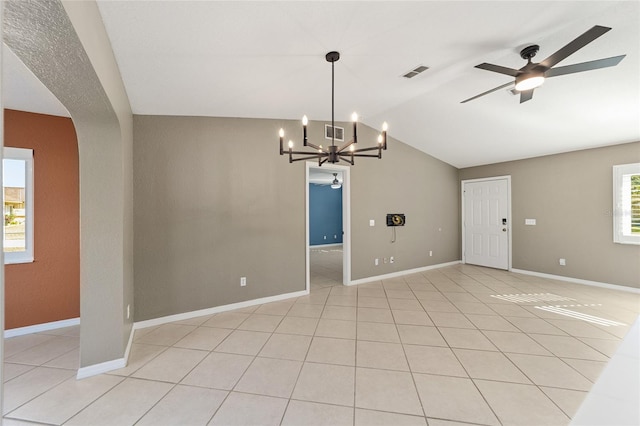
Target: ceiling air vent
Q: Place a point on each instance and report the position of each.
(415, 71)
(328, 132)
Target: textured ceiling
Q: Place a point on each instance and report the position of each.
(266, 60)
(23, 91)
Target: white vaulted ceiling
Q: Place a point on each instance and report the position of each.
(265, 59)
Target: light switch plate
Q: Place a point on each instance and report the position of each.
(372, 222)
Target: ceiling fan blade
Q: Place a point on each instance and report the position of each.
(526, 95)
(489, 91)
(577, 44)
(585, 66)
(499, 69)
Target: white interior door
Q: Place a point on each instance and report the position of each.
(486, 222)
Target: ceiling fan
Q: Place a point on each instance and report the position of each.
(532, 75)
(324, 180)
(336, 183)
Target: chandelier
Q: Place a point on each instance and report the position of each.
(332, 153)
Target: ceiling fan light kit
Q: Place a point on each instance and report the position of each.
(532, 75)
(333, 154)
(529, 82)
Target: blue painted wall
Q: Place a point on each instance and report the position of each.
(325, 214)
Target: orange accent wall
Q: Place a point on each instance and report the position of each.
(49, 288)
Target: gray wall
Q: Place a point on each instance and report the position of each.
(405, 181)
(78, 67)
(213, 201)
(571, 197)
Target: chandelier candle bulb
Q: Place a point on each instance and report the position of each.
(354, 118)
(305, 121)
(281, 133)
(385, 126)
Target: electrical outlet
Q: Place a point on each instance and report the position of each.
(376, 261)
(563, 262)
(243, 281)
(391, 260)
(430, 253)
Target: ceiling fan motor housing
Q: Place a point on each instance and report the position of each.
(529, 52)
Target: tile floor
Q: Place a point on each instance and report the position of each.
(430, 348)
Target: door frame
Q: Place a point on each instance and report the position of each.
(509, 215)
(346, 219)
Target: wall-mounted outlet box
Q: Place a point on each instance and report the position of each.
(243, 281)
(372, 222)
(563, 262)
(430, 252)
(376, 261)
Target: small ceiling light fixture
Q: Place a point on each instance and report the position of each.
(335, 184)
(333, 154)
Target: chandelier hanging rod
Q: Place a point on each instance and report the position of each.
(332, 153)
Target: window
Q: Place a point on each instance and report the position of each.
(626, 203)
(17, 180)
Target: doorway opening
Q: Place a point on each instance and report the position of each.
(486, 222)
(328, 263)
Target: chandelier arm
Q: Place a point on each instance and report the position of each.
(373, 148)
(350, 160)
(313, 157)
(324, 154)
(314, 146)
(346, 145)
(367, 155)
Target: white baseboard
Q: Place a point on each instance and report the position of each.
(105, 367)
(38, 328)
(578, 281)
(402, 273)
(315, 246)
(217, 309)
